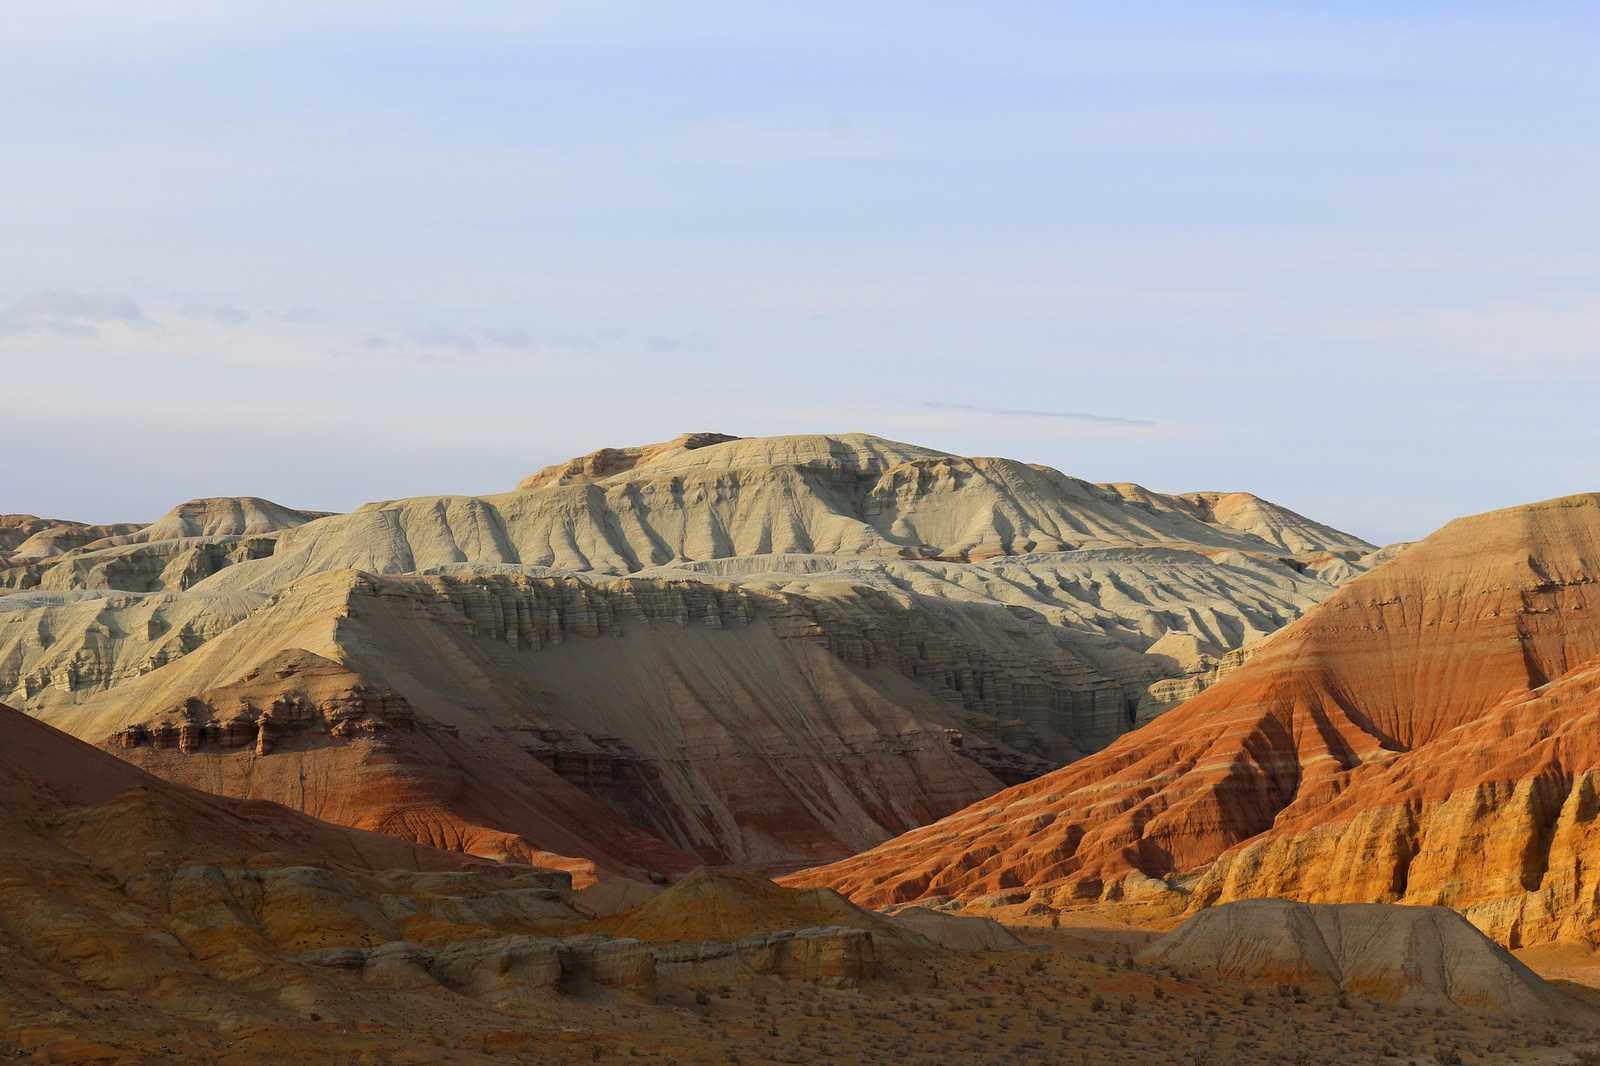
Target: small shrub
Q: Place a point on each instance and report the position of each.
(1098, 1003)
(1448, 1055)
(1586, 1056)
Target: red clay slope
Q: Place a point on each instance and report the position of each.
(40, 763)
(1428, 734)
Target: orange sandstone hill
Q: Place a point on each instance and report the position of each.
(1428, 734)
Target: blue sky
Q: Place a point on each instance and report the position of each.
(1340, 255)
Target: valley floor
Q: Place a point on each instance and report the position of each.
(1074, 997)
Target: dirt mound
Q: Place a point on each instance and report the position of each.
(1425, 957)
(728, 905)
(614, 895)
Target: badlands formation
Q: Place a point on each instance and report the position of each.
(441, 780)
(765, 653)
(1425, 735)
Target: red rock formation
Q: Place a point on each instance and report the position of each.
(1428, 734)
(41, 764)
(350, 751)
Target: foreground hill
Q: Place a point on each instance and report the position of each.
(1426, 735)
(769, 652)
(1419, 958)
(145, 922)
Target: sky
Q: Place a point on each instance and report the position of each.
(1344, 256)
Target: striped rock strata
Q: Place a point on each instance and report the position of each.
(1426, 735)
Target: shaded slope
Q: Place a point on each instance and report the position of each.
(758, 729)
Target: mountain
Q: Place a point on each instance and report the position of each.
(766, 652)
(1424, 735)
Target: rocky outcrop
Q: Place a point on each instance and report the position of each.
(506, 972)
(1427, 958)
(309, 732)
(1425, 736)
(834, 957)
(1138, 615)
(609, 462)
(129, 904)
(162, 566)
(58, 647)
(1202, 672)
(293, 692)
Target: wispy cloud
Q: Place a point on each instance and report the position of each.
(66, 313)
(1015, 412)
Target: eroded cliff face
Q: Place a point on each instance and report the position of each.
(1424, 735)
(733, 725)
